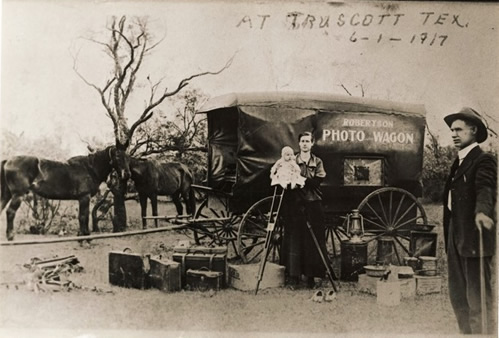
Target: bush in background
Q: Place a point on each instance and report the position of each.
(437, 161)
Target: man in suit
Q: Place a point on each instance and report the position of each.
(469, 210)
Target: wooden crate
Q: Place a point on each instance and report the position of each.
(368, 284)
(428, 284)
(423, 243)
(244, 277)
(388, 293)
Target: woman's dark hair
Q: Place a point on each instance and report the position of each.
(306, 133)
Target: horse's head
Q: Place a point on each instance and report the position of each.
(120, 161)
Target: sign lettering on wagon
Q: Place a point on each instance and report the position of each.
(378, 131)
(359, 131)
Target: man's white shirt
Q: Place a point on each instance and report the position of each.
(461, 154)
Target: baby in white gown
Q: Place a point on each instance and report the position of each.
(286, 171)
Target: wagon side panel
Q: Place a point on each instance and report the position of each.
(222, 147)
(364, 151)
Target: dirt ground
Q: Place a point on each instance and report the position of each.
(101, 310)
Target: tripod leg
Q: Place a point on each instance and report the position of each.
(329, 270)
(263, 262)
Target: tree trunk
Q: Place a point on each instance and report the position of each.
(119, 218)
(95, 218)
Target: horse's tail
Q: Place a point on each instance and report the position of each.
(5, 193)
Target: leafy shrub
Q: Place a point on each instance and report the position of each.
(436, 165)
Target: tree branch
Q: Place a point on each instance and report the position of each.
(101, 92)
(342, 86)
(183, 83)
(162, 150)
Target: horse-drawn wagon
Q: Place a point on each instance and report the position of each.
(372, 152)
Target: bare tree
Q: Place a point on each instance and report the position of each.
(185, 132)
(128, 44)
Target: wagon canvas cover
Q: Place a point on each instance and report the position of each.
(364, 143)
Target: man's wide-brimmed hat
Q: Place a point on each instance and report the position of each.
(471, 116)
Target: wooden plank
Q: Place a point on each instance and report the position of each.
(92, 237)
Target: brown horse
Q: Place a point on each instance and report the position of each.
(153, 178)
(77, 179)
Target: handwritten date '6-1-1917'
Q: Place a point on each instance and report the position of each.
(421, 38)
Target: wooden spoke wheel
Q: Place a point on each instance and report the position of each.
(253, 232)
(214, 224)
(389, 215)
(335, 234)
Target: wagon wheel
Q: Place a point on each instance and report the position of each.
(389, 214)
(335, 234)
(253, 231)
(214, 224)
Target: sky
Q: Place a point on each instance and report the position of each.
(440, 54)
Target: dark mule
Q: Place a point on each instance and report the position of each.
(153, 178)
(77, 179)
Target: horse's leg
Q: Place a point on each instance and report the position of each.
(178, 203)
(11, 214)
(143, 209)
(192, 201)
(4, 202)
(187, 201)
(83, 215)
(5, 193)
(154, 206)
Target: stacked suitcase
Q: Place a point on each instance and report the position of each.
(129, 269)
(202, 267)
(133, 270)
(193, 268)
(164, 274)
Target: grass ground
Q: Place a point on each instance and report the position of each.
(103, 310)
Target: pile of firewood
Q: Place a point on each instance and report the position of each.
(51, 274)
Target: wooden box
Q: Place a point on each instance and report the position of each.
(369, 285)
(388, 293)
(428, 284)
(244, 277)
(423, 243)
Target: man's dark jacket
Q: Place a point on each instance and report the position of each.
(473, 187)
